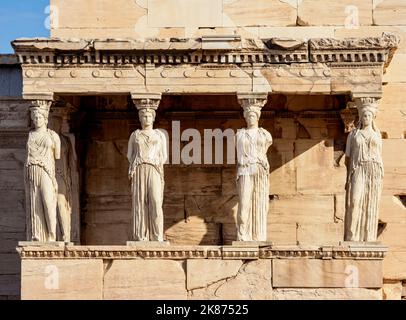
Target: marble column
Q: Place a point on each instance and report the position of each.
(43, 148)
(252, 171)
(364, 174)
(147, 153)
(67, 176)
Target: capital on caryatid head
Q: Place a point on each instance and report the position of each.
(255, 100)
(42, 105)
(41, 102)
(42, 98)
(366, 102)
(146, 100)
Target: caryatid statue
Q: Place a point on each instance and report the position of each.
(43, 147)
(364, 175)
(252, 172)
(147, 153)
(66, 176)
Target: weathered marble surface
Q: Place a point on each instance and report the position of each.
(147, 153)
(252, 144)
(43, 148)
(365, 175)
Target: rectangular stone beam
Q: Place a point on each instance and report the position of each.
(316, 66)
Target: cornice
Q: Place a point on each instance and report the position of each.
(214, 50)
(363, 252)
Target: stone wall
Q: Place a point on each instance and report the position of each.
(13, 136)
(248, 18)
(285, 18)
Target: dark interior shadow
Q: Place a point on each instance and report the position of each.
(200, 200)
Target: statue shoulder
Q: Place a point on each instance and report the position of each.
(266, 132)
(378, 134)
(160, 133)
(240, 132)
(134, 134)
(55, 137)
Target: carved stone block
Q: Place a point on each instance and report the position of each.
(153, 279)
(61, 279)
(310, 273)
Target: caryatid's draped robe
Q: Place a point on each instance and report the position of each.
(364, 185)
(147, 153)
(41, 185)
(252, 183)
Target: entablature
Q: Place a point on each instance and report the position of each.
(226, 64)
(341, 251)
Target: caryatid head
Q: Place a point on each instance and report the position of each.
(367, 110)
(40, 112)
(147, 117)
(252, 115)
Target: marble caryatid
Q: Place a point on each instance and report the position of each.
(364, 175)
(147, 153)
(66, 177)
(252, 174)
(43, 147)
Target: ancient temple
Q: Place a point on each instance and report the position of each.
(198, 65)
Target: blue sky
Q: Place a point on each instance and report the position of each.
(21, 18)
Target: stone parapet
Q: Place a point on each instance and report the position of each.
(201, 272)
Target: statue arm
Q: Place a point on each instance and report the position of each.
(347, 160)
(164, 153)
(130, 150)
(269, 139)
(57, 145)
(380, 154)
(130, 155)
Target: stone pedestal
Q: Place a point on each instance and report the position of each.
(201, 272)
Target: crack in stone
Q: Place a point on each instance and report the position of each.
(223, 281)
(226, 279)
(230, 278)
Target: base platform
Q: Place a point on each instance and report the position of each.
(201, 272)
